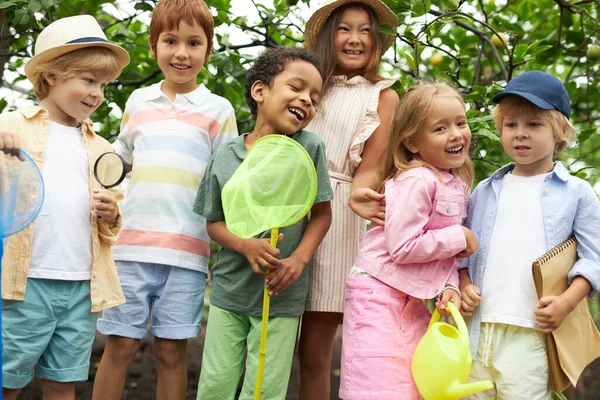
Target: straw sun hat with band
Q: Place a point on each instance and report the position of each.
(70, 34)
(315, 23)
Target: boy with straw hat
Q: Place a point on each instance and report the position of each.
(63, 259)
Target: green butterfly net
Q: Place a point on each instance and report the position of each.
(275, 186)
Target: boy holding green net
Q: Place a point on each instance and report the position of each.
(282, 89)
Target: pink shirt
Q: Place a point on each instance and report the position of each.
(414, 251)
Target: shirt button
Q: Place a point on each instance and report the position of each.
(444, 268)
(549, 220)
(435, 291)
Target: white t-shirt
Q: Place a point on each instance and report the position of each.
(62, 238)
(517, 240)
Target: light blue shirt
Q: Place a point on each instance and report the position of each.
(570, 207)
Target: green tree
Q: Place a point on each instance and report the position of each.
(453, 39)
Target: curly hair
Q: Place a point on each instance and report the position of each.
(271, 63)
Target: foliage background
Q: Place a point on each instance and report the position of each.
(436, 38)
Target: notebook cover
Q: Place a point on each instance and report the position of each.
(576, 342)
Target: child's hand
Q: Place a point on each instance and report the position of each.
(550, 313)
(471, 297)
(11, 144)
(289, 272)
(472, 243)
(448, 295)
(260, 254)
(105, 204)
(368, 204)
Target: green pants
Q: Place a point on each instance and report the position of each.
(228, 335)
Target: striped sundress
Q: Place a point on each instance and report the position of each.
(346, 119)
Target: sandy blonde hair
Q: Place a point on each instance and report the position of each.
(325, 51)
(410, 115)
(99, 60)
(563, 129)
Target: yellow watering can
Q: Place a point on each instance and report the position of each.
(442, 360)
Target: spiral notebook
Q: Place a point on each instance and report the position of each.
(576, 342)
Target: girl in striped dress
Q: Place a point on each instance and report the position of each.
(353, 122)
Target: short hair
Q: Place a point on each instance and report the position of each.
(99, 60)
(564, 131)
(325, 45)
(271, 63)
(168, 14)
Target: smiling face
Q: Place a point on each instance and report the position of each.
(529, 140)
(72, 100)
(444, 137)
(181, 54)
(353, 42)
(289, 103)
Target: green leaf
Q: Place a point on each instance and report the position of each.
(420, 7)
(567, 17)
(450, 4)
(143, 6)
(386, 30)
(21, 17)
(401, 6)
(48, 3)
(585, 134)
(6, 4)
(34, 6)
(410, 60)
(488, 134)
(3, 104)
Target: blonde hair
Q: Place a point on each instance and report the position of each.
(325, 50)
(563, 129)
(99, 60)
(410, 115)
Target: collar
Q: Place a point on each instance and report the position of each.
(87, 126)
(446, 176)
(559, 171)
(196, 96)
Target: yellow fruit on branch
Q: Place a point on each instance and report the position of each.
(593, 53)
(436, 59)
(500, 40)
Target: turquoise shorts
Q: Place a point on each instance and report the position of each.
(53, 328)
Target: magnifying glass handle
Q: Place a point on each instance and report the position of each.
(100, 216)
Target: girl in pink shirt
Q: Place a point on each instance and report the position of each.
(425, 176)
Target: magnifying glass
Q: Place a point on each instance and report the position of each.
(110, 170)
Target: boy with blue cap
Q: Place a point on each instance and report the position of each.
(523, 210)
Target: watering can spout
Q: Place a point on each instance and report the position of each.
(460, 390)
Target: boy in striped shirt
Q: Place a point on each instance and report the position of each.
(168, 134)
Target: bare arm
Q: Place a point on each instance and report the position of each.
(364, 200)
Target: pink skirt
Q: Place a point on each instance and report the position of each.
(382, 327)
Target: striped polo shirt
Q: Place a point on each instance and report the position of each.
(168, 143)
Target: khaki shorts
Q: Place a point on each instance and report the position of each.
(514, 359)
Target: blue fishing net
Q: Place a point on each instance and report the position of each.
(21, 193)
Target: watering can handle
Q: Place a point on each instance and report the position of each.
(458, 319)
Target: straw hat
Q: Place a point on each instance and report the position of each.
(69, 34)
(315, 23)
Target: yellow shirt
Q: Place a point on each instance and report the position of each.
(33, 127)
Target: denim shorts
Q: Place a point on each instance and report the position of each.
(173, 296)
(53, 328)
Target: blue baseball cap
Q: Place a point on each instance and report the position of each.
(544, 90)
